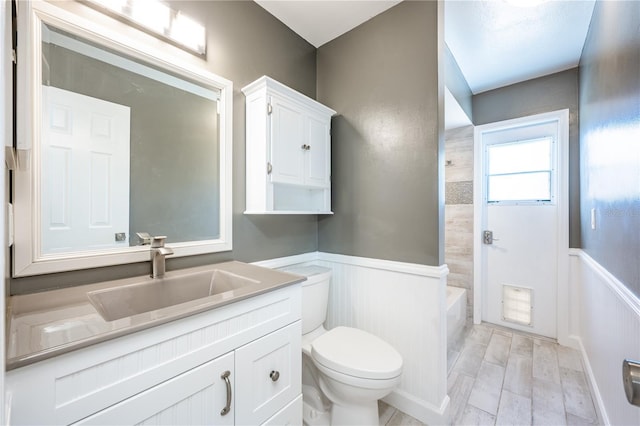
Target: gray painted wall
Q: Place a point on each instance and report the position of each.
(244, 43)
(382, 78)
(544, 94)
(610, 140)
(457, 84)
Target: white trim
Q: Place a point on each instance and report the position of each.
(366, 262)
(282, 262)
(593, 384)
(562, 117)
(388, 265)
(6, 124)
(420, 409)
(27, 259)
(78, 46)
(621, 291)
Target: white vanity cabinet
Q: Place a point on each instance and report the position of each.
(288, 151)
(182, 372)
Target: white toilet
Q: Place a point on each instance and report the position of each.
(344, 370)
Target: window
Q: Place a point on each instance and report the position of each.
(520, 171)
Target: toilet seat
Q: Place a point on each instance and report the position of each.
(356, 353)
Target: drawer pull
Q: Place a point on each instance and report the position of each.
(275, 375)
(227, 408)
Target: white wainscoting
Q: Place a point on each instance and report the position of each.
(605, 322)
(402, 303)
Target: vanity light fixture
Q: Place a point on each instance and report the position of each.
(157, 18)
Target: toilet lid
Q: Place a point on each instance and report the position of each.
(356, 353)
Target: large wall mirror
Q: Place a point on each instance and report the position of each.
(116, 140)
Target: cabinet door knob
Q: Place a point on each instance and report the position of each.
(275, 375)
(227, 408)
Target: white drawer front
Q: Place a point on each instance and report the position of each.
(259, 392)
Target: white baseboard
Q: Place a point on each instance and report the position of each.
(420, 409)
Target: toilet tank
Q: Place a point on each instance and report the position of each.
(315, 295)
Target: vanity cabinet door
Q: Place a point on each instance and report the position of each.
(318, 153)
(268, 375)
(287, 142)
(300, 145)
(196, 397)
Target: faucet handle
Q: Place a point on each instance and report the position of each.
(157, 242)
(145, 238)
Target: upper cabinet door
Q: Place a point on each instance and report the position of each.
(287, 140)
(318, 152)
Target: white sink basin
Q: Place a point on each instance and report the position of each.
(153, 294)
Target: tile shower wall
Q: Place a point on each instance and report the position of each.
(458, 234)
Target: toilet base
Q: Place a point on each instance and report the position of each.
(314, 417)
(351, 415)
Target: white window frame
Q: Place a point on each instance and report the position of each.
(552, 171)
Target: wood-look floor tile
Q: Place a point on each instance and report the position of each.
(385, 412)
(459, 394)
(545, 361)
(577, 396)
(549, 418)
(470, 359)
(480, 334)
(514, 409)
(472, 416)
(401, 419)
(518, 377)
(498, 349)
(485, 394)
(569, 358)
(540, 378)
(547, 396)
(579, 421)
(522, 346)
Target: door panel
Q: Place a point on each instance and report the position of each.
(319, 152)
(523, 255)
(85, 164)
(287, 155)
(520, 266)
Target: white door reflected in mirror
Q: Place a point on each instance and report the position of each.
(85, 172)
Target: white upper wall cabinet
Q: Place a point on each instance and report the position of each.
(288, 151)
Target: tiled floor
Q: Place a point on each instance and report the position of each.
(502, 377)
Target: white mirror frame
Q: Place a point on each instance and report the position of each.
(27, 257)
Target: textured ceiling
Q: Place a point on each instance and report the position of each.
(320, 21)
(496, 43)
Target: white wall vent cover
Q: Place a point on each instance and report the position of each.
(516, 304)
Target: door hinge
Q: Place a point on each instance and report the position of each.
(14, 56)
(10, 224)
(269, 168)
(10, 158)
(269, 109)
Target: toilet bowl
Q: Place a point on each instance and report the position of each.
(345, 370)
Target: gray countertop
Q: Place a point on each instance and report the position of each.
(47, 324)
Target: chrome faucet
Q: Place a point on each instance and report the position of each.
(158, 253)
